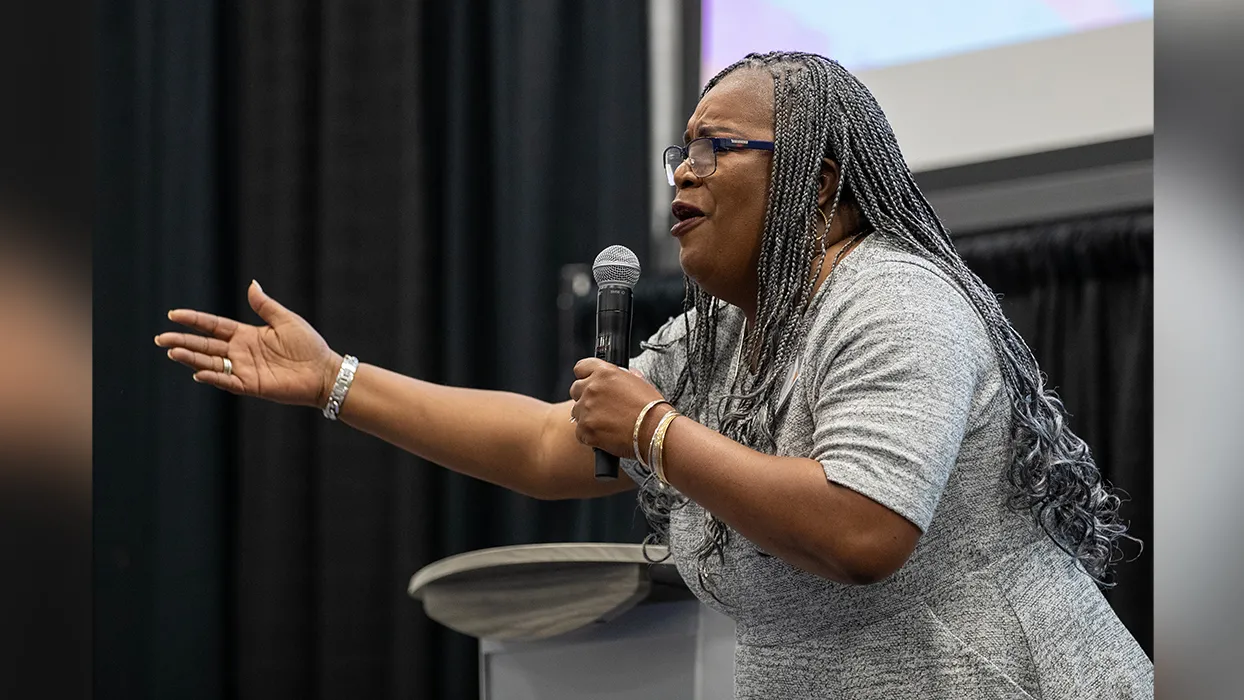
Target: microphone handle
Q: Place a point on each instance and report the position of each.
(613, 345)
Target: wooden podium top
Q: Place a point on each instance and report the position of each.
(538, 591)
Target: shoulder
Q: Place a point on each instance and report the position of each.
(892, 308)
(674, 329)
(663, 354)
(881, 282)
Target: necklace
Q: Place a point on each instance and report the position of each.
(738, 355)
(843, 251)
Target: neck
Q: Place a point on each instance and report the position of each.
(826, 261)
(839, 249)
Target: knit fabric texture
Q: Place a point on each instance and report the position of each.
(898, 396)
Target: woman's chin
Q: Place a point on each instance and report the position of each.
(687, 260)
(695, 264)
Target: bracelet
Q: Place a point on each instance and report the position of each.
(639, 422)
(345, 377)
(656, 448)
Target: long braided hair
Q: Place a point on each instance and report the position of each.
(822, 111)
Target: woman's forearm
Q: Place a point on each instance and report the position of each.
(787, 507)
(514, 441)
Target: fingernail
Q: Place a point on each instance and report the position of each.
(157, 341)
(257, 285)
(170, 354)
(195, 377)
(170, 315)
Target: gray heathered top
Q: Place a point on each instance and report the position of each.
(899, 397)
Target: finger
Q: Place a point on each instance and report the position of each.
(584, 368)
(211, 324)
(269, 309)
(220, 380)
(576, 389)
(197, 360)
(196, 343)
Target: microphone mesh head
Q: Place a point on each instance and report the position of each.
(616, 266)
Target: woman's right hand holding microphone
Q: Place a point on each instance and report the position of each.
(285, 361)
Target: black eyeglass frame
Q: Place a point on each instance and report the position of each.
(719, 144)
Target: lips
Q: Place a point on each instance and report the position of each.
(688, 216)
(682, 227)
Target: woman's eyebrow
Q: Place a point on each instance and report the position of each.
(708, 130)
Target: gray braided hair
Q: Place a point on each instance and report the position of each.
(822, 111)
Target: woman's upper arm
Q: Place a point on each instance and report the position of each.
(894, 390)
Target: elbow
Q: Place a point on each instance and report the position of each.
(865, 560)
(545, 491)
(541, 485)
(540, 494)
(868, 572)
(544, 483)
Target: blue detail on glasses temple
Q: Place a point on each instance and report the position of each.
(718, 144)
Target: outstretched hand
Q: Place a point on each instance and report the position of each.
(285, 361)
(608, 399)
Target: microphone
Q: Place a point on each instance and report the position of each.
(616, 271)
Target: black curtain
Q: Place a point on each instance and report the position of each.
(411, 177)
(408, 176)
(1080, 292)
(162, 446)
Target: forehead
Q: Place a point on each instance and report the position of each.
(742, 102)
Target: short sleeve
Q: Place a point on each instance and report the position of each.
(897, 362)
(662, 359)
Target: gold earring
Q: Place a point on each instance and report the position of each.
(820, 237)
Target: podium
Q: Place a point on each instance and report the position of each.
(561, 621)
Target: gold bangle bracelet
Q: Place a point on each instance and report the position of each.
(643, 413)
(662, 428)
(656, 450)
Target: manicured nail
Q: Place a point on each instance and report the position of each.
(170, 314)
(170, 354)
(257, 285)
(195, 377)
(157, 341)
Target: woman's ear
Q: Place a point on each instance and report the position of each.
(829, 182)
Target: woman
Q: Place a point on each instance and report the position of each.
(857, 462)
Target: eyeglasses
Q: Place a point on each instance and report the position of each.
(701, 154)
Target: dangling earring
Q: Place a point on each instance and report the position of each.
(820, 237)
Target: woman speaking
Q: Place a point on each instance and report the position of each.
(843, 441)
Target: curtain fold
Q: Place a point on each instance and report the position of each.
(162, 445)
(411, 178)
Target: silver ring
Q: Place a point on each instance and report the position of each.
(228, 367)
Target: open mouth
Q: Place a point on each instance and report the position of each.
(687, 215)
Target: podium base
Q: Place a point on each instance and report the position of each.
(658, 650)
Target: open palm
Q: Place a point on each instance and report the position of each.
(285, 361)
